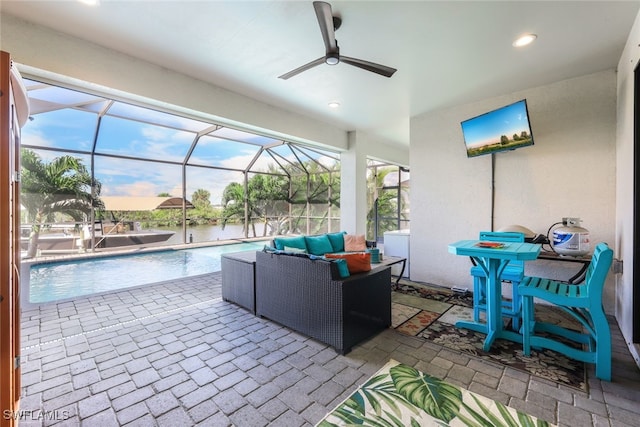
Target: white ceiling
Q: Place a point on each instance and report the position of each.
(446, 53)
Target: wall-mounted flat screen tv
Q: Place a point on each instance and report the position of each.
(506, 128)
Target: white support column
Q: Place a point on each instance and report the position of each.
(353, 187)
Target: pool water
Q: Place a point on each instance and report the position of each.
(67, 279)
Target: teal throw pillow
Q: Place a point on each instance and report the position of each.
(318, 245)
(292, 242)
(343, 268)
(337, 241)
(294, 250)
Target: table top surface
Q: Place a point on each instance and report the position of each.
(508, 250)
(246, 256)
(388, 260)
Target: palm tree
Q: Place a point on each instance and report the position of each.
(265, 194)
(276, 199)
(201, 199)
(233, 199)
(62, 186)
(312, 192)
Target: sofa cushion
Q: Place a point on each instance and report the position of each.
(292, 242)
(358, 262)
(354, 243)
(337, 241)
(286, 251)
(269, 249)
(343, 268)
(318, 245)
(293, 250)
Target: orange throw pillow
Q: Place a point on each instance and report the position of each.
(354, 243)
(356, 262)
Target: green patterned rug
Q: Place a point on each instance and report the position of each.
(399, 395)
(430, 312)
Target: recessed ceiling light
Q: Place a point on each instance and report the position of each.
(90, 2)
(524, 40)
(334, 104)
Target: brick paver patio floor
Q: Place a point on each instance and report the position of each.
(175, 354)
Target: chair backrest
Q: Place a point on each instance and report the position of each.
(504, 236)
(597, 271)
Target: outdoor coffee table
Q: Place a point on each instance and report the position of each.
(239, 279)
(392, 260)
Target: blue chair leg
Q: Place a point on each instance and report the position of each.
(602, 346)
(479, 297)
(515, 306)
(527, 324)
(480, 303)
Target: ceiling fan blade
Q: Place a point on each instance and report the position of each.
(383, 70)
(325, 19)
(328, 24)
(305, 67)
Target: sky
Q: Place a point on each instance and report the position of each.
(489, 127)
(74, 129)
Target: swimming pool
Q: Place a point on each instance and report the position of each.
(67, 279)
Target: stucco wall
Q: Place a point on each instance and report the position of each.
(569, 172)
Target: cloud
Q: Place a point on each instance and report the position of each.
(138, 178)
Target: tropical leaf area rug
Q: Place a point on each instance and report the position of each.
(430, 312)
(399, 395)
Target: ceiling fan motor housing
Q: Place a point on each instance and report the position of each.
(332, 58)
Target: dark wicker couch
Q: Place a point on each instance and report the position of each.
(309, 297)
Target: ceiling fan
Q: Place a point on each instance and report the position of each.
(328, 25)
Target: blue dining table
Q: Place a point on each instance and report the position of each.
(493, 257)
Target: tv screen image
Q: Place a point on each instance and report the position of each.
(506, 128)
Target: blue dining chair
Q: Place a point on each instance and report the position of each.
(584, 303)
(513, 272)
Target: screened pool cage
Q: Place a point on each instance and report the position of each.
(387, 199)
(235, 183)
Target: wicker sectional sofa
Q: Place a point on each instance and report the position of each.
(309, 296)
